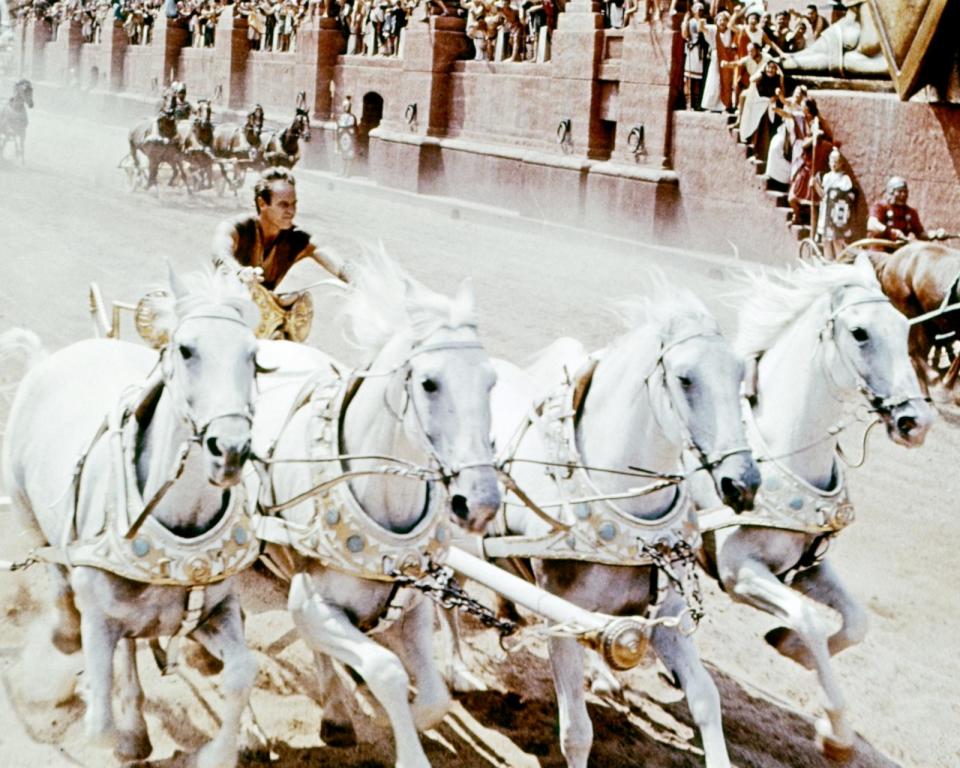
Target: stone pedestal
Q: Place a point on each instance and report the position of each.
(114, 44)
(430, 49)
(577, 48)
(169, 37)
(317, 52)
(649, 88)
(231, 50)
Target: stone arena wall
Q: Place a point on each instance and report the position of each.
(434, 121)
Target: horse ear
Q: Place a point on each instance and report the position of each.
(863, 264)
(177, 286)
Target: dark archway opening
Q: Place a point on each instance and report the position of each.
(371, 113)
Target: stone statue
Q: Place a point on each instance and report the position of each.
(850, 47)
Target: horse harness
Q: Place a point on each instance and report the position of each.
(590, 526)
(787, 502)
(340, 533)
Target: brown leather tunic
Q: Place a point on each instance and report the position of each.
(288, 248)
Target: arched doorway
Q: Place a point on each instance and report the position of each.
(371, 113)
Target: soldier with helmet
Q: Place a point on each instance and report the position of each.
(892, 219)
(177, 92)
(346, 136)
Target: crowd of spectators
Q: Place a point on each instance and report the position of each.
(732, 64)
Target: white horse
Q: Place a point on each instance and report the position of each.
(671, 383)
(422, 404)
(88, 443)
(825, 336)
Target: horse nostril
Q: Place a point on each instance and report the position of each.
(906, 424)
(733, 492)
(459, 505)
(213, 447)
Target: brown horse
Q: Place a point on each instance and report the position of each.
(156, 138)
(13, 118)
(282, 148)
(196, 142)
(918, 278)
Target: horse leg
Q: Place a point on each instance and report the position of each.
(432, 701)
(99, 636)
(222, 635)
(336, 727)
(327, 628)
(458, 675)
(754, 584)
(576, 730)
(679, 655)
(133, 741)
(66, 630)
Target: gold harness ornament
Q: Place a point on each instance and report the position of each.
(341, 534)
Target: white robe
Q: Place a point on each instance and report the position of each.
(711, 89)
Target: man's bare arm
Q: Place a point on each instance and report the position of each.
(225, 241)
(335, 265)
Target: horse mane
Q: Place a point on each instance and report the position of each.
(674, 313)
(203, 288)
(776, 300)
(383, 301)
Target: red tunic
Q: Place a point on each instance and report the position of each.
(901, 217)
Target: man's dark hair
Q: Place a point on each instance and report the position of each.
(811, 106)
(813, 7)
(263, 188)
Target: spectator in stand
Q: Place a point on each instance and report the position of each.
(758, 120)
(745, 67)
(780, 154)
(718, 88)
(477, 28)
(811, 147)
(817, 23)
(696, 48)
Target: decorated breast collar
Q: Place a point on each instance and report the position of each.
(156, 555)
(785, 500)
(341, 534)
(590, 526)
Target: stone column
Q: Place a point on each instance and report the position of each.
(169, 36)
(651, 79)
(69, 41)
(232, 48)
(577, 48)
(114, 44)
(36, 36)
(429, 51)
(318, 47)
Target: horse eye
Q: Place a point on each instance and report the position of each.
(685, 382)
(185, 352)
(429, 385)
(860, 335)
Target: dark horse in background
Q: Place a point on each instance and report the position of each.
(195, 137)
(923, 277)
(156, 138)
(282, 148)
(13, 118)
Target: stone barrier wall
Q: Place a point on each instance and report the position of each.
(434, 121)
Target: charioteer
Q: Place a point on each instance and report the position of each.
(262, 248)
(892, 219)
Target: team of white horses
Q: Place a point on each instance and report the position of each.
(152, 482)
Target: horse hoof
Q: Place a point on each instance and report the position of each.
(830, 746)
(427, 717)
(337, 734)
(133, 747)
(788, 643)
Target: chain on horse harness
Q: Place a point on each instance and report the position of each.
(134, 545)
(785, 501)
(591, 526)
(341, 534)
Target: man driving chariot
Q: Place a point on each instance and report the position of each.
(176, 95)
(262, 249)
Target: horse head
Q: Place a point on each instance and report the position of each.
(694, 392)
(208, 367)
(203, 122)
(436, 384)
(865, 340)
(24, 90)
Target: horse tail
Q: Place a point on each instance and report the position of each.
(20, 350)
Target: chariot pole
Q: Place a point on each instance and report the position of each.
(622, 641)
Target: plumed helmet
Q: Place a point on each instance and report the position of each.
(895, 183)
